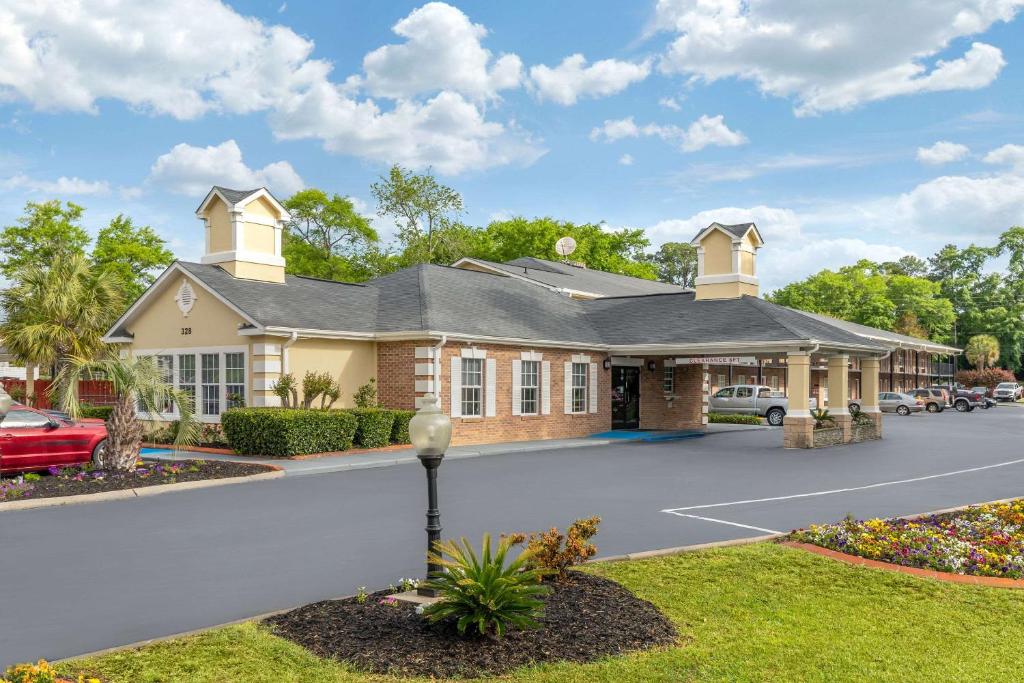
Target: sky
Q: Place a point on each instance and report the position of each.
(844, 130)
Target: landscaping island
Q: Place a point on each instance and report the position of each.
(74, 481)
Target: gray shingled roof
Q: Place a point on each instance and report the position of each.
(680, 318)
(884, 335)
(736, 229)
(235, 196)
(577, 278)
(467, 302)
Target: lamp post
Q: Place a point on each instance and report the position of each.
(430, 431)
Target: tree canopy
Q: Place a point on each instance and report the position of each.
(135, 254)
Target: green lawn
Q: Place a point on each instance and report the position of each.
(753, 613)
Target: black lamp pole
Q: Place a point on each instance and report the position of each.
(431, 463)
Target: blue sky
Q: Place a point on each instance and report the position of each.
(845, 130)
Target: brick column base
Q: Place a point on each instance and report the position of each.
(877, 417)
(798, 432)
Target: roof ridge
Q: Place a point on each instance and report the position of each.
(762, 304)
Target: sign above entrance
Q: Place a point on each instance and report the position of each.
(717, 360)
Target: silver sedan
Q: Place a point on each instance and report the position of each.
(903, 404)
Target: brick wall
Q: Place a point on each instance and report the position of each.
(396, 380)
(683, 411)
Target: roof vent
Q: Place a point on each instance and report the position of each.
(186, 298)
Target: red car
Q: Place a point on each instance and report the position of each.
(33, 440)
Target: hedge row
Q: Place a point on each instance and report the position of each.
(283, 432)
(97, 412)
(723, 418)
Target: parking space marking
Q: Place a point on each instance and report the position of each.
(675, 511)
(723, 521)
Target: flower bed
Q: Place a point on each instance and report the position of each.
(73, 481)
(986, 540)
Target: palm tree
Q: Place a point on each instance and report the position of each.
(982, 350)
(59, 310)
(138, 385)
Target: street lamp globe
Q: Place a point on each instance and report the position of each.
(5, 401)
(430, 430)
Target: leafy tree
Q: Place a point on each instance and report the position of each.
(59, 311)
(45, 231)
(864, 293)
(133, 253)
(424, 210)
(982, 350)
(327, 237)
(676, 263)
(621, 251)
(907, 265)
(137, 382)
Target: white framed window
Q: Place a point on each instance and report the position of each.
(234, 379)
(187, 375)
(529, 387)
(472, 387)
(579, 387)
(210, 378)
(723, 381)
(165, 365)
(668, 380)
(774, 382)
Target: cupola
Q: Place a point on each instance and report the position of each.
(243, 232)
(727, 261)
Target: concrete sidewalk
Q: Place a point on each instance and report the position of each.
(360, 461)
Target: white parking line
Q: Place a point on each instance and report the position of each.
(844, 490)
(722, 521)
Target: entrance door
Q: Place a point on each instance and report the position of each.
(625, 397)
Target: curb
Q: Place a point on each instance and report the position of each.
(679, 550)
(142, 492)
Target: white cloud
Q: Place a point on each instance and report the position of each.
(573, 79)
(1008, 155)
(189, 58)
(670, 103)
(60, 187)
(942, 152)
(705, 131)
(442, 52)
(626, 160)
(956, 205)
(831, 56)
(193, 170)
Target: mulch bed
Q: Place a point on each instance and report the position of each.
(75, 482)
(585, 618)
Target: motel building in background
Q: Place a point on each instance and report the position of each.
(529, 349)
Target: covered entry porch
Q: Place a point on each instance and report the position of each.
(671, 390)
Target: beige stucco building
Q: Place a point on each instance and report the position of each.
(520, 350)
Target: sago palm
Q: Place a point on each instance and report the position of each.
(59, 310)
(138, 386)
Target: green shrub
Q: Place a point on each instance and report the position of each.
(97, 412)
(374, 426)
(484, 592)
(723, 418)
(822, 420)
(555, 553)
(400, 430)
(366, 395)
(283, 432)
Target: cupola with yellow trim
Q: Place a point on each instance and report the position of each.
(243, 232)
(727, 261)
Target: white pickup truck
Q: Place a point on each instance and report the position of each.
(752, 399)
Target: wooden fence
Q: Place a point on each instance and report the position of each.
(93, 392)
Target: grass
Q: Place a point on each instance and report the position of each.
(753, 613)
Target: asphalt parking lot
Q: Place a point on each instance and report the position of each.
(82, 578)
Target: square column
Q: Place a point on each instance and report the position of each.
(839, 393)
(869, 371)
(798, 428)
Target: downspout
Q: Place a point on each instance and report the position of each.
(437, 367)
(284, 352)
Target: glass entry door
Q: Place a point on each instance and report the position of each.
(625, 397)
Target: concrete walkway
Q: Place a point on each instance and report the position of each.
(361, 461)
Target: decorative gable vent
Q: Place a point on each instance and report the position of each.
(186, 298)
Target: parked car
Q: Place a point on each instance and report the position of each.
(31, 439)
(964, 401)
(947, 393)
(1007, 391)
(986, 400)
(934, 400)
(901, 404)
(752, 399)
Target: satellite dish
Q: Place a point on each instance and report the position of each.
(565, 246)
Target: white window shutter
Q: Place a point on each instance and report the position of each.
(456, 387)
(592, 388)
(491, 390)
(568, 388)
(517, 384)
(545, 388)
